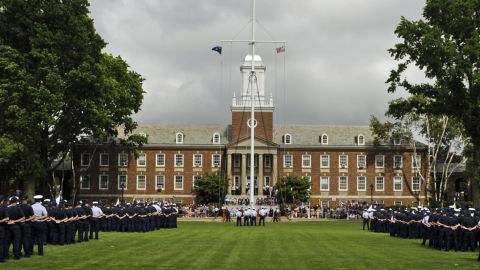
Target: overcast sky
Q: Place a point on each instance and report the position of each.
(333, 71)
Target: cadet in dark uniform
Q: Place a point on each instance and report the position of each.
(26, 227)
(16, 217)
(3, 229)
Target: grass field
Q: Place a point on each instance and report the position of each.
(214, 245)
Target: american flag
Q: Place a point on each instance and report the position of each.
(280, 49)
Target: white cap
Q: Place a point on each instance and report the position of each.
(38, 197)
(94, 202)
(471, 209)
(46, 200)
(457, 210)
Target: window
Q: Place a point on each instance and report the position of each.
(309, 177)
(160, 160)
(306, 161)
(255, 160)
(195, 179)
(361, 183)
(360, 139)
(103, 181)
(416, 161)
(178, 182)
(142, 160)
(85, 182)
(216, 160)
(268, 161)
(379, 161)
(343, 161)
(160, 182)
(397, 203)
(267, 181)
(122, 180)
(104, 159)
(122, 159)
(236, 182)
(343, 183)
(324, 183)
(287, 139)
(179, 138)
(379, 183)
(397, 162)
(287, 161)
(397, 183)
(216, 138)
(178, 160)
(396, 141)
(361, 162)
(324, 161)
(141, 182)
(324, 139)
(416, 183)
(236, 161)
(85, 159)
(197, 160)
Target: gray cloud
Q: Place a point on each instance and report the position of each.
(336, 61)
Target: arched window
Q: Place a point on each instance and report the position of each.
(287, 139)
(360, 139)
(216, 138)
(324, 139)
(179, 138)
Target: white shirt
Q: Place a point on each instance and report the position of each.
(96, 212)
(39, 210)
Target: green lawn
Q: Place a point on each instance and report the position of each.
(214, 245)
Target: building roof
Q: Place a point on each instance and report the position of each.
(193, 134)
(310, 134)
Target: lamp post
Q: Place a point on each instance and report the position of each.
(122, 186)
(371, 194)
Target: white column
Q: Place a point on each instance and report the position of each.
(260, 174)
(229, 172)
(274, 169)
(244, 174)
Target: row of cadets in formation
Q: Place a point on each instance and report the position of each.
(443, 228)
(23, 225)
(250, 216)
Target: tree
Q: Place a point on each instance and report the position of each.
(57, 86)
(292, 189)
(445, 45)
(210, 188)
(444, 142)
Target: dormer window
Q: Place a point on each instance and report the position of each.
(396, 141)
(179, 138)
(324, 139)
(287, 139)
(361, 139)
(216, 138)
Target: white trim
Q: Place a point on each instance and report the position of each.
(419, 183)
(383, 183)
(265, 180)
(284, 161)
(178, 164)
(358, 162)
(401, 183)
(156, 160)
(401, 162)
(419, 161)
(219, 161)
(141, 175)
(339, 183)
(118, 181)
(119, 163)
(193, 179)
(362, 141)
(308, 158)
(175, 182)
(100, 160)
(216, 139)
(340, 163)
(179, 138)
(285, 140)
(139, 159)
(328, 162)
(194, 161)
(322, 141)
(89, 182)
(364, 184)
(156, 181)
(328, 183)
(383, 161)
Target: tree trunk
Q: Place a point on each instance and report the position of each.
(475, 194)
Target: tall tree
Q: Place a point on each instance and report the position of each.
(56, 84)
(293, 189)
(445, 45)
(210, 188)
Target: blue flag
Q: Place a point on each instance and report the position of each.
(217, 49)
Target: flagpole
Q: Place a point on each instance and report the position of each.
(252, 119)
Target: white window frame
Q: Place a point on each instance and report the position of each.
(364, 162)
(417, 158)
(216, 160)
(324, 139)
(340, 183)
(321, 161)
(394, 162)
(361, 139)
(267, 161)
(285, 161)
(236, 181)
(306, 161)
(82, 182)
(158, 158)
(120, 161)
(364, 183)
(376, 183)
(139, 159)
(287, 138)
(216, 138)
(194, 179)
(180, 161)
(157, 180)
(145, 178)
(175, 182)
(397, 203)
(419, 183)
(397, 141)
(195, 163)
(340, 161)
(327, 178)
(265, 180)
(397, 179)
(100, 161)
(82, 159)
(100, 181)
(377, 165)
(179, 138)
(119, 182)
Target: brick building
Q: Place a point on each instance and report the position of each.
(342, 162)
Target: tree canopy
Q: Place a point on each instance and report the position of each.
(210, 188)
(56, 83)
(292, 189)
